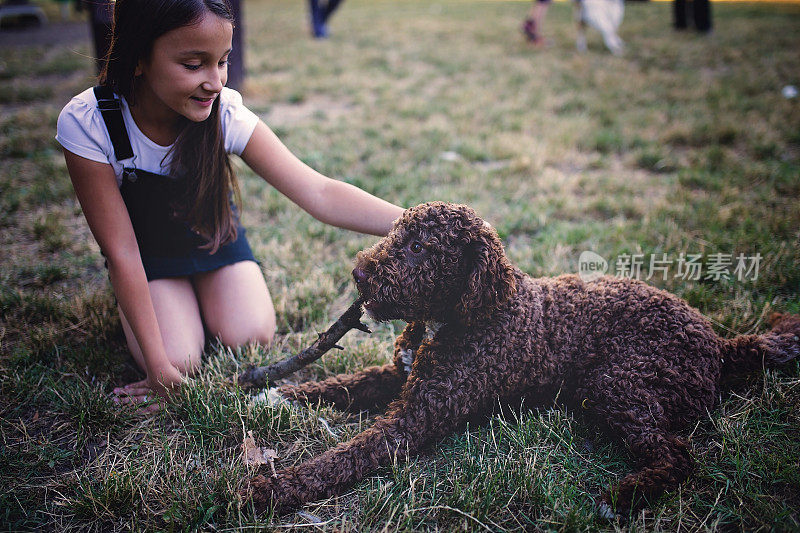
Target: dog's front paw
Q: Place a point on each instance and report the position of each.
(272, 397)
(259, 493)
(275, 398)
(606, 512)
(269, 493)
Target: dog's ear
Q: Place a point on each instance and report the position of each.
(490, 277)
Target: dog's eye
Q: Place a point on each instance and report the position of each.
(415, 247)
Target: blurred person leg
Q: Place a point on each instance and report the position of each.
(317, 12)
(330, 7)
(679, 12)
(702, 15)
(532, 27)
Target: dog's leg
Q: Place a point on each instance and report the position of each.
(638, 401)
(663, 461)
(370, 389)
(428, 409)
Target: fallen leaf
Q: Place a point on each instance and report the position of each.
(251, 453)
(254, 455)
(270, 455)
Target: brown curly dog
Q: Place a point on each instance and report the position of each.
(638, 361)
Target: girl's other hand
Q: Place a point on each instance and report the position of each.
(138, 393)
(148, 390)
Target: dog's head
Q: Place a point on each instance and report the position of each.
(440, 262)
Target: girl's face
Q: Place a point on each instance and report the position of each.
(187, 69)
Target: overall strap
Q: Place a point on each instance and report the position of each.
(109, 107)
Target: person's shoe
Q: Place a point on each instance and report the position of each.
(318, 28)
(320, 31)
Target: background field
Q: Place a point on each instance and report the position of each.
(684, 145)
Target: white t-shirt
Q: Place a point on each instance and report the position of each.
(81, 130)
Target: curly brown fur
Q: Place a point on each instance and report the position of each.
(640, 362)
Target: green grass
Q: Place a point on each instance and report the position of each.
(684, 145)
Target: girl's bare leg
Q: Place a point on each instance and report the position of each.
(178, 316)
(235, 304)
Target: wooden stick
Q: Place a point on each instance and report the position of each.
(262, 376)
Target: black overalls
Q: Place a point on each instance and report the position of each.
(168, 246)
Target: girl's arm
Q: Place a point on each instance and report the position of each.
(328, 200)
(97, 191)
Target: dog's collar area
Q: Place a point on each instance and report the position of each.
(407, 356)
(431, 329)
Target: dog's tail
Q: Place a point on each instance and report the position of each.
(777, 347)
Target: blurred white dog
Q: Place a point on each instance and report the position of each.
(603, 15)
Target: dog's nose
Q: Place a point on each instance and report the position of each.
(359, 275)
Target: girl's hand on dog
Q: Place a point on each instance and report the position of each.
(149, 394)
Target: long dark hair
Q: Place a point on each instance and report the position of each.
(199, 151)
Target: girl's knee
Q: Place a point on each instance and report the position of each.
(236, 304)
(245, 332)
(186, 356)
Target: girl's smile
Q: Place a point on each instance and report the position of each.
(186, 71)
(204, 102)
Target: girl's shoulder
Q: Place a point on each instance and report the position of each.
(231, 103)
(238, 122)
(87, 98)
(81, 106)
(230, 98)
(80, 128)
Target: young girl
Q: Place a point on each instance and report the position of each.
(147, 152)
